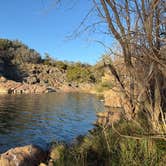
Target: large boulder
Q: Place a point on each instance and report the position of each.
(113, 98)
(108, 117)
(29, 155)
(115, 105)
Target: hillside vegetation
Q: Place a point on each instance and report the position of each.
(20, 63)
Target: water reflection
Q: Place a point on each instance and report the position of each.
(40, 119)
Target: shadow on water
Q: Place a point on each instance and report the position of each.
(40, 119)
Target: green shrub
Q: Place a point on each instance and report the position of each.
(104, 147)
(103, 86)
(15, 52)
(79, 74)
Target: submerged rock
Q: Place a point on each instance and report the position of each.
(29, 155)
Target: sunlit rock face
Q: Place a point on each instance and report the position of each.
(113, 108)
(29, 155)
(12, 87)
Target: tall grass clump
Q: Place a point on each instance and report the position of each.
(105, 147)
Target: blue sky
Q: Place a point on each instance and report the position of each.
(43, 26)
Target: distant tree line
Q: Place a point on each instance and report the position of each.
(16, 52)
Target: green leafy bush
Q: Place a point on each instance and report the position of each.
(79, 74)
(16, 52)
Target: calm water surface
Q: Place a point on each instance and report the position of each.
(40, 119)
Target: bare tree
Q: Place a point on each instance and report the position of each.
(139, 28)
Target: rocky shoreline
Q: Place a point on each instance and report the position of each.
(13, 87)
(30, 155)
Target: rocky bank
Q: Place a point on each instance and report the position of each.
(39, 78)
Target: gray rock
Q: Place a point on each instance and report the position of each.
(29, 155)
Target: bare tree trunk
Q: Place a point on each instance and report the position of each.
(141, 52)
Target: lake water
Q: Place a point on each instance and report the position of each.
(41, 119)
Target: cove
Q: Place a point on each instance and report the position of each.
(43, 118)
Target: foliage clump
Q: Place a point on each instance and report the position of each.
(80, 73)
(106, 147)
(16, 52)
